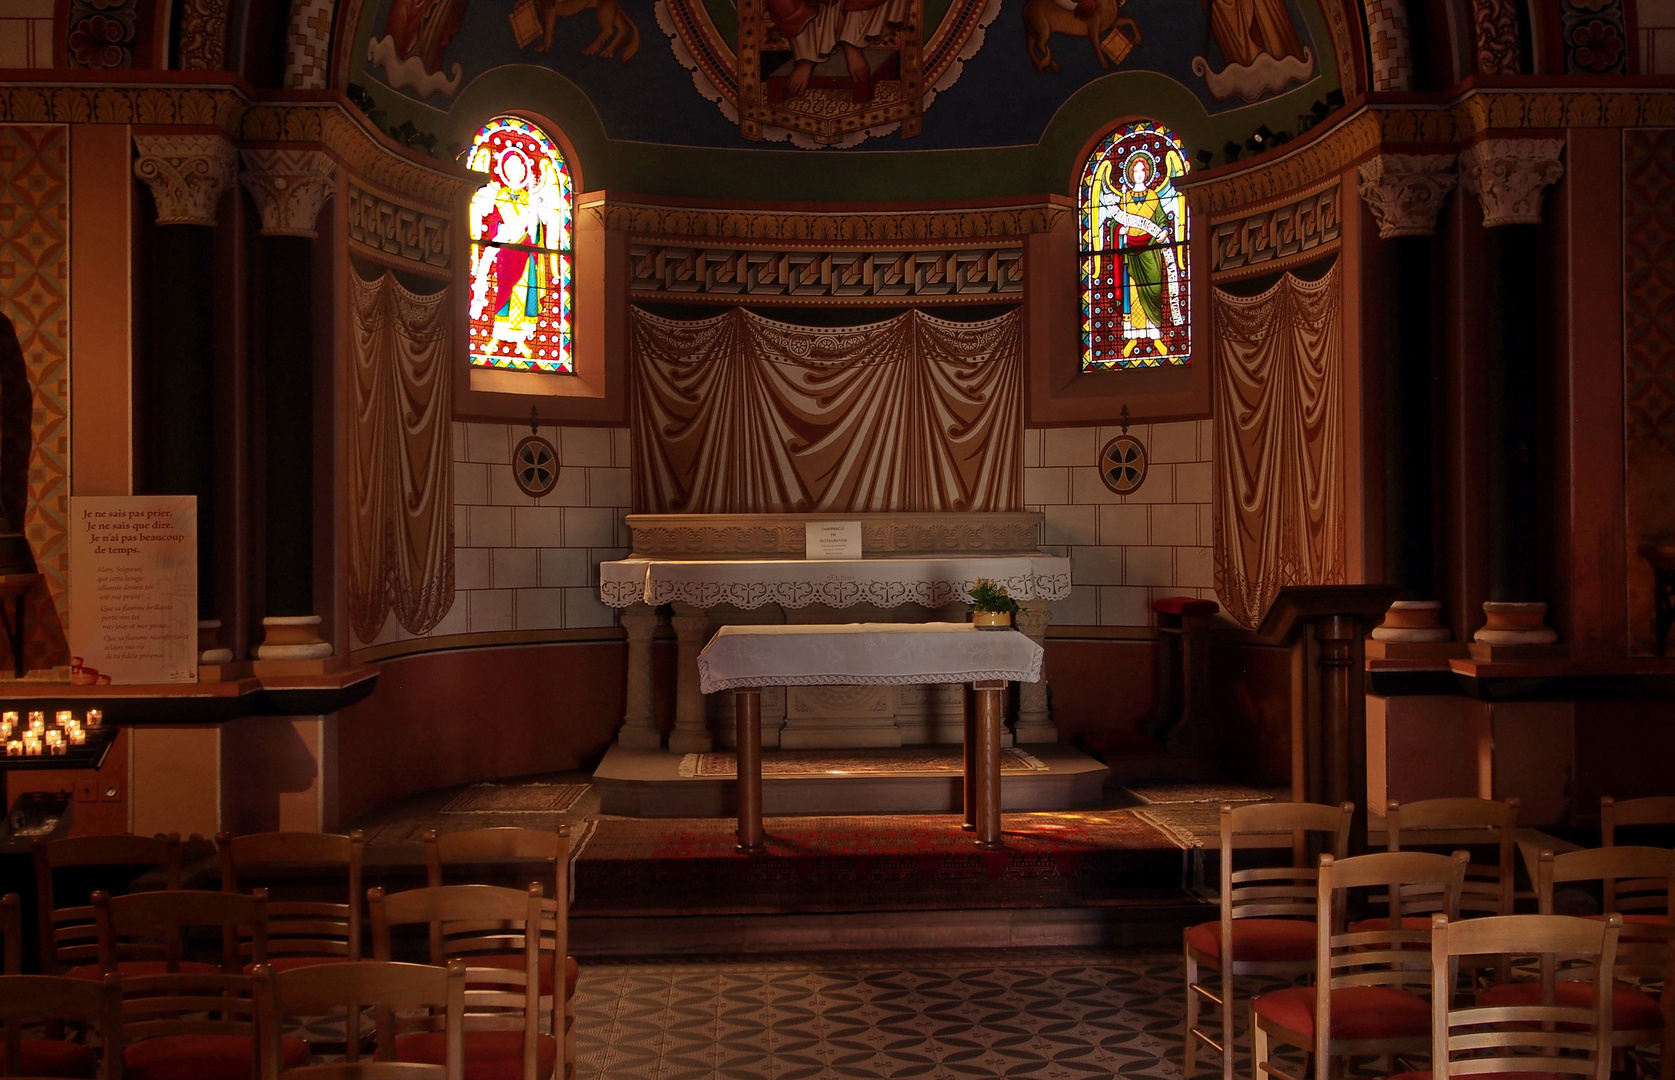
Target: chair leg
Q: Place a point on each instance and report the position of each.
(1258, 1046)
(1227, 1039)
(1189, 1055)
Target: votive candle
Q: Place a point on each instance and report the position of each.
(78, 737)
(65, 718)
(14, 748)
(95, 717)
(37, 721)
(8, 717)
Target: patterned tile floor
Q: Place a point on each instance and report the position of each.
(1059, 1013)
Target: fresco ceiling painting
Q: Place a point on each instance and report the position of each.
(895, 74)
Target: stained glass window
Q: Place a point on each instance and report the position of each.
(521, 265)
(1136, 295)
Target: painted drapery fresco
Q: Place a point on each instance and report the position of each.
(725, 72)
(1278, 401)
(521, 269)
(1136, 284)
(740, 413)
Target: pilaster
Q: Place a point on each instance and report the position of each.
(186, 175)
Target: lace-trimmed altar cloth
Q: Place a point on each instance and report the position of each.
(864, 654)
(794, 583)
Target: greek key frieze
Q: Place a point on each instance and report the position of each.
(1277, 236)
(658, 270)
(398, 230)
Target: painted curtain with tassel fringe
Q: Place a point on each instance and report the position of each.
(402, 529)
(1278, 400)
(743, 414)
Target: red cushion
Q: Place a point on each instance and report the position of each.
(1632, 1009)
(1488, 1076)
(55, 1057)
(514, 962)
(291, 963)
(1257, 940)
(1358, 1012)
(202, 1057)
(1184, 605)
(142, 967)
(489, 1055)
(1641, 920)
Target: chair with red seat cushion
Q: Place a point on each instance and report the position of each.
(145, 934)
(1267, 919)
(1547, 1034)
(1366, 996)
(502, 1018)
(503, 849)
(1614, 815)
(68, 938)
(404, 997)
(301, 928)
(27, 1000)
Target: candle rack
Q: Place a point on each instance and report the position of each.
(89, 755)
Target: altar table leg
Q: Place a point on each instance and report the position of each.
(991, 710)
(968, 800)
(747, 711)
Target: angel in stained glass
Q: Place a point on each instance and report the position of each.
(1136, 215)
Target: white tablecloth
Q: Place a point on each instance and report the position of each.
(839, 583)
(864, 654)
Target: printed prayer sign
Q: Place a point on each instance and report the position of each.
(134, 588)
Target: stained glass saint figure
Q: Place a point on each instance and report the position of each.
(1135, 278)
(521, 268)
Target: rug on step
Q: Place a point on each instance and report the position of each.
(664, 866)
(892, 761)
(515, 799)
(1155, 792)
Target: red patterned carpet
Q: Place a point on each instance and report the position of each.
(633, 866)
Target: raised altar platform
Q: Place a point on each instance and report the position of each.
(911, 780)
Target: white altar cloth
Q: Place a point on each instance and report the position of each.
(839, 583)
(864, 654)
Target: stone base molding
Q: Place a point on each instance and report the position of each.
(1515, 624)
(1406, 192)
(1412, 620)
(289, 187)
(1509, 177)
(292, 637)
(186, 175)
(210, 649)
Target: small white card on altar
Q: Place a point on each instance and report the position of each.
(832, 540)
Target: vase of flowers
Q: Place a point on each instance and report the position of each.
(991, 608)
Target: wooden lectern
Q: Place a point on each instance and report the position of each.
(1326, 627)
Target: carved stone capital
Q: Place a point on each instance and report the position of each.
(289, 187)
(1509, 176)
(1406, 191)
(186, 174)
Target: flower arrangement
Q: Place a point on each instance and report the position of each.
(986, 596)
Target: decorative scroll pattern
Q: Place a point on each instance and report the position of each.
(1496, 24)
(1277, 238)
(398, 230)
(741, 414)
(402, 528)
(34, 288)
(1405, 192)
(1649, 285)
(665, 272)
(101, 33)
(1278, 400)
(203, 35)
(883, 583)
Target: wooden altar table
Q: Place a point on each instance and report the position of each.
(746, 658)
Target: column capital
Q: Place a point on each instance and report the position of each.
(1509, 176)
(1405, 192)
(289, 187)
(186, 174)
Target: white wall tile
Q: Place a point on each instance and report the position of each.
(514, 568)
(1206, 440)
(1174, 523)
(1098, 565)
(1087, 487)
(1194, 567)
(562, 566)
(585, 446)
(1192, 482)
(1046, 486)
(1070, 525)
(471, 483)
(590, 526)
(540, 609)
(488, 442)
(539, 526)
(621, 448)
(608, 487)
(1159, 485)
(1143, 432)
(1069, 446)
(1080, 608)
(1148, 566)
(491, 609)
(1124, 606)
(456, 439)
(1124, 524)
(570, 488)
(503, 487)
(491, 526)
(462, 526)
(456, 621)
(471, 568)
(582, 607)
(1032, 447)
(1173, 442)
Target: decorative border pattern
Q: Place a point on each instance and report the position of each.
(309, 45)
(938, 226)
(1648, 254)
(398, 230)
(1495, 23)
(203, 35)
(837, 594)
(34, 294)
(1389, 45)
(1273, 239)
(827, 277)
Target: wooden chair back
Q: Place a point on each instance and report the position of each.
(1488, 888)
(37, 999)
(394, 991)
(1652, 810)
(1635, 882)
(480, 847)
(300, 927)
(1276, 892)
(152, 926)
(68, 937)
(11, 935)
(1544, 1038)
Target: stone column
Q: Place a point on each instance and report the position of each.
(692, 729)
(288, 188)
(1509, 178)
(1405, 193)
(1035, 724)
(639, 724)
(187, 175)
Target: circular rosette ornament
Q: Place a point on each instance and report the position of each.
(1122, 464)
(535, 466)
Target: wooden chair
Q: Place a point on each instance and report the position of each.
(186, 1018)
(1267, 920)
(479, 926)
(300, 931)
(1653, 810)
(1488, 888)
(1372, 1005)
(69, 942)
(1543, 1039)
(11, 935)
(55, 1000)
(481, 848)
(1632, 881)
(391, 989)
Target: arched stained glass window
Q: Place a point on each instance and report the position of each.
(1136, 295)
(521, 265)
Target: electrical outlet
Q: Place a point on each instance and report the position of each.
(87, 789)
(110, 790)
